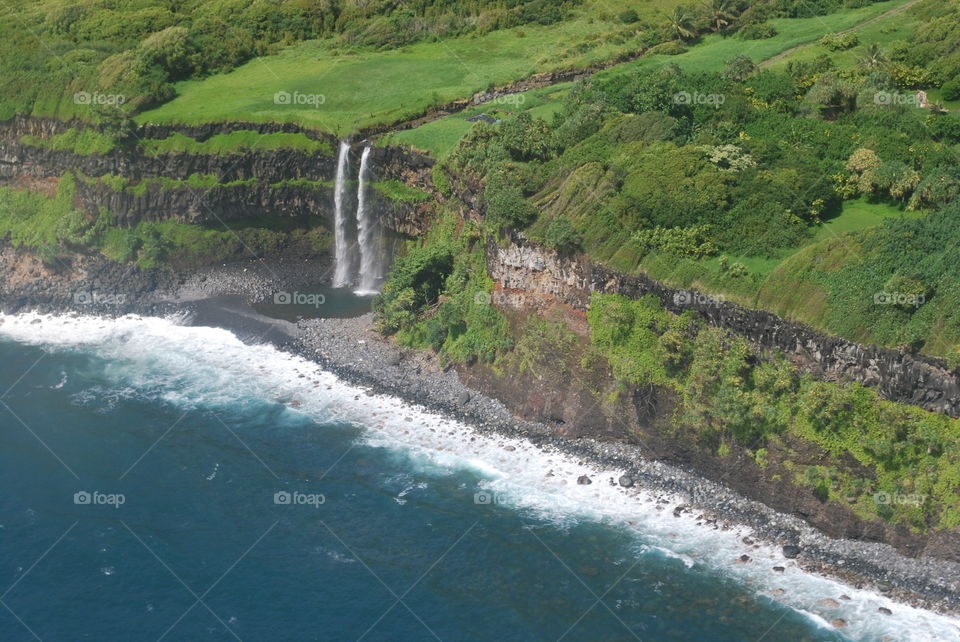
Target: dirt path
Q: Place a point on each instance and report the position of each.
(885, 14)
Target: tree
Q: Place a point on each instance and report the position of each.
(950, 90)
(680, 22)
(562, 236)
(873, 58)
(739, 67)
(720, 13)
(831, 96)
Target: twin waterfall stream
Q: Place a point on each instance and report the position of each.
(358, 237)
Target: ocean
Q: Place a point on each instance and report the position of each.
(164, 481)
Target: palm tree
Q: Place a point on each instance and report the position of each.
(720, 13)
(681, 23)
(873, 58)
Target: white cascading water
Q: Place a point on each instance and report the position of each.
(341, 273)
(368, 233)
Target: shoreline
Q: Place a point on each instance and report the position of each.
(349, 350)
(221, 297)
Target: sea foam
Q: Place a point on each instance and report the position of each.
(207, 367)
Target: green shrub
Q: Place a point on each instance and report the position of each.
(670, 48)
(950, 90)
(415, 282)
(757, 31)
(840, 41)
(562, 236)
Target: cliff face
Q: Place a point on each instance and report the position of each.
(566, 389)
(915, 379)
(221, 202)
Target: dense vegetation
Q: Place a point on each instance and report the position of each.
(697, 177)
(826, 171)
(137, 49)
(724, 176)
(55, 228)
(725, 396)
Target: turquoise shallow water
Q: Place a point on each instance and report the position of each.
(233, 492)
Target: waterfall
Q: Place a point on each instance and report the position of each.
(342, 273)
(369, 234)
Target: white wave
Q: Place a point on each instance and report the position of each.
(62, 382)
(666, 552)
(197, 366)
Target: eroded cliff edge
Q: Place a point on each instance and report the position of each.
(531, 282)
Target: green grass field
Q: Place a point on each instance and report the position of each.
(438, 137)
(766, 281)
(899, 26)
(711, 54)
(234, 142)
(371, 87)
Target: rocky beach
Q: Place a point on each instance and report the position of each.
(221, 296)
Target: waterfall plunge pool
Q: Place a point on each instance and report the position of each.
(315, 302)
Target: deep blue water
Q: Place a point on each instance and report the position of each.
(199, 550)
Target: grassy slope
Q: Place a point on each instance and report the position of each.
(714, 51)
(234, 142)
(710, 54)
(884, 31)
(438, 137)
(371, 87)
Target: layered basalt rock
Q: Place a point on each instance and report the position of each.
(915, 379)
(273, 192)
